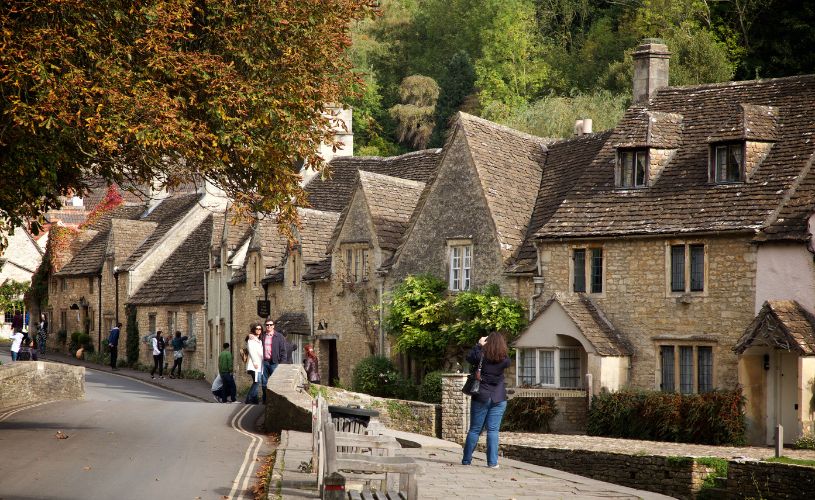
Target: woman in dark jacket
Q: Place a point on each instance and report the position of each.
(487, 407)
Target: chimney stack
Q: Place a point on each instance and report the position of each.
(650, 69)
(582, 127)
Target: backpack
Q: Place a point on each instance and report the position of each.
(244, 352)
(160, 343)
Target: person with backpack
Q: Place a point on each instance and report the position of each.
(178, 353)
(158, 355)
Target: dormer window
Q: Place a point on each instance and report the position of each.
(633, 168)
(727, 163)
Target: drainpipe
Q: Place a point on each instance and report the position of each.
(381, 317)
(116, 283)
(230, 286)
(99, 310)
(312, 286)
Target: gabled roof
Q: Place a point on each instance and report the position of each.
(315, 233)
(564, 164)
(780, 324)
(646, 128)
(592, 323)
(508, 163)
(296, 323)
(90, 256)
(320, 271)
(267, 239)
(390, 202)
(180, 279)
(682, 200)
(166, 214)
(334, 193)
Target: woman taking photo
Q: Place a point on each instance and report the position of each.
(487, 407)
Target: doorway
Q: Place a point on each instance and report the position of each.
(333, 362)
(782, 397)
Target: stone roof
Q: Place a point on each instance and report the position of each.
(682, 200)
(314, 234)
(180, 279)
(780, 324)
(318, 272)
(334, 193)
(126, 236)
(564, 164)
(274, 275)
(290, 322)
(92, 247)
(166, 214)
(647, 128)
(238, 277)
(594, 325)
(267, 239)
(508, 163)
(390, 201)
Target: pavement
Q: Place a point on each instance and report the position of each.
(444, 477)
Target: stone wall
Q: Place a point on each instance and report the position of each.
(678, 477)
(754, 479)
(396, 414)
(455, 408)
(288, 404)
(193, 355)
(571, 417)
(32, 381)
(637, 300)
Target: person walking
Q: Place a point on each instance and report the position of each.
(274, 353)
(178, 353)
(254, 362)
(488, 406)
(42, 334)
(311, 365)
(225, 369)
(113, 345)
(16, 342)
(158, 355)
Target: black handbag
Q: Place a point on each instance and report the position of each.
(473, 383)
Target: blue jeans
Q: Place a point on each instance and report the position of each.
(268, 369)
(229, 386)
(252, 395)
(484, 415)
(13, 355)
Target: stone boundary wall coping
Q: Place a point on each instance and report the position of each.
(26, 382)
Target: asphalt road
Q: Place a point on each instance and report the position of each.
(129, 440)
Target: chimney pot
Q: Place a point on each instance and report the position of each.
(587, 125)
(650, 69)
(578, 127)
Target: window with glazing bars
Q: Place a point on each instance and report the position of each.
(705, 360)
(686, 369)
(569, 368)
(678, 268)
(526, 374)
(579, 265)
(697, 268)
(633, 167)
(461, 257)
(547, 367)
(596, 270)
(727, 162)
(666, 355)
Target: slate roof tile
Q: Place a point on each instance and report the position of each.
(180, 279)
(315, 233)
(682, 200)
(166, 214)
(594, 325)
(292, 322)
(781, 324)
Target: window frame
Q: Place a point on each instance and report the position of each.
(459, 265)
(355, 262)
(557, 375)
(686, 378)
(593, 277)
(714, 167)
(690, 284)
(633, 154)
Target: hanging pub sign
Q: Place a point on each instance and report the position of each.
(263, 308)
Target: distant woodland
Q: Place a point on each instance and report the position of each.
(537, 65)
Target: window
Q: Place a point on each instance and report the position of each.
(356, 264)
(461, 264)
(9, 316)
(64, 283)
(190, 324)
(172, 322)
(294, 269)
(63, 320)
(90, 284)
(687, 268)
(556, 367)
(727, 163)
(688, 367)
(633, 167)
(151, 323)
(587, 265)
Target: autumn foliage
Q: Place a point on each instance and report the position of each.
(176, 90)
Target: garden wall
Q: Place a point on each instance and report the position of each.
(768, 480)
(27, 382)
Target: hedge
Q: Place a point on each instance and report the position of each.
(715, 417)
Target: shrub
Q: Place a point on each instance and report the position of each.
(715, 417)
(376, 376)
(430, 390)
(806, 441)
(529, 414)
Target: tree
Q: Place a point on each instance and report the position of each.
(11, 295)
(174, 90)
(455, 86)
(414, 117)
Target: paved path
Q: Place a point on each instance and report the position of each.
(445, 478)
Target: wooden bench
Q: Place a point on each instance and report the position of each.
(370, 458)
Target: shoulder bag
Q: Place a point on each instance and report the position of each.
(473, 383)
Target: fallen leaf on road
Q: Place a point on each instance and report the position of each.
(512, 479)
(88, 467)
(156, 479)
(61, 435)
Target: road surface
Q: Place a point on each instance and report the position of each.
(129, 440)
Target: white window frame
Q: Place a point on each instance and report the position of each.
(556, 358)
(716, 168)
(632, 154)
(460, 265)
